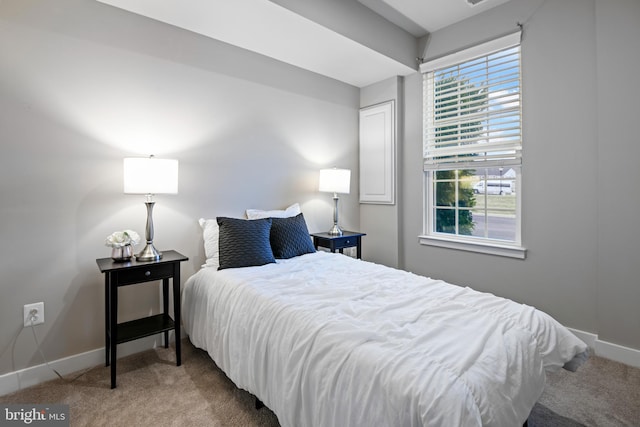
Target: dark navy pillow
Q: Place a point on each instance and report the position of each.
(290, 237)
(244, 243)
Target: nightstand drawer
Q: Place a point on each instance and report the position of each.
(145, 274)
(345, 242)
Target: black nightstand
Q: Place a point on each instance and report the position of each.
(349, 239)
(118, 274)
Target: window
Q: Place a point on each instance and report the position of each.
(472, 149)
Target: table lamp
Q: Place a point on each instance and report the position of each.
(335, 181)
(149, 176)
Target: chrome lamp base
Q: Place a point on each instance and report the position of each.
(335, 230)
(149, 253)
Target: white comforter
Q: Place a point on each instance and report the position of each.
(326, 340)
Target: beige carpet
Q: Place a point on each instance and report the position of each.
(152, 391)
(601, 393)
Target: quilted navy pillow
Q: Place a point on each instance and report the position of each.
(290, 237)
(244, 243)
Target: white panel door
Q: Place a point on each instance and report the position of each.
(377, 153)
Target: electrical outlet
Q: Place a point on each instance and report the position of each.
(37, 311)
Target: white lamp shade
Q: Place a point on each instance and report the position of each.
(148, 175)
(335, 180)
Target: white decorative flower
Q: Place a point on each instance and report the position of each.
(118, 239)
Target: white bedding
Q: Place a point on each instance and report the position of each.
(326, 340)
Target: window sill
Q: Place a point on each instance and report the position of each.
(479, 247)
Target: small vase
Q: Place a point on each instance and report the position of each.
(122, 254)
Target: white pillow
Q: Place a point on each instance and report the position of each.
(211, 236)
(292, 210)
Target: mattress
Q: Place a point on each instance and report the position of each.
(327, 340)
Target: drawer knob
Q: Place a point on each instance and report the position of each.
(147, 273)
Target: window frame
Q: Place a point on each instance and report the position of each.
(486, 245)
(473, 244)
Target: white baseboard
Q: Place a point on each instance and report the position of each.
(628, 356)
(588, 338)
(14, 381)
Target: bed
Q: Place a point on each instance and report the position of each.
(324, 339)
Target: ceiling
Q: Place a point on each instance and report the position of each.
(265, 27)
(427, 16)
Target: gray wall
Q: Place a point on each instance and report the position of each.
(579, 198)
(618, 92)
(83, 85)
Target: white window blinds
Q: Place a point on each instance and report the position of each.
(472, 112)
